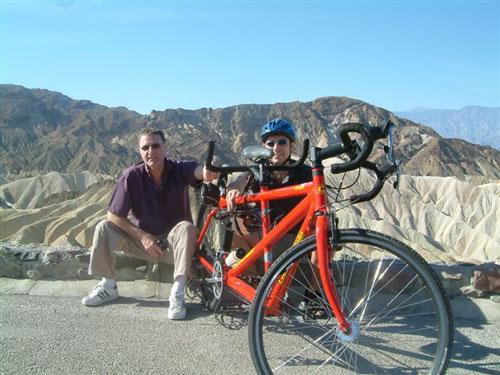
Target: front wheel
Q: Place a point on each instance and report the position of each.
(400, 316)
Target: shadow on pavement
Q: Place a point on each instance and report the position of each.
(466, 351)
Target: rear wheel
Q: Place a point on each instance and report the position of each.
(400, 316)
(208, 285)
(215, 237)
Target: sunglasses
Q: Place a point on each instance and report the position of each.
(280, 142)
(154, 146)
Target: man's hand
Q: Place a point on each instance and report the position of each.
(209, 175)
(147, 240)
(231, 196)
(151, 247)
(202, 173)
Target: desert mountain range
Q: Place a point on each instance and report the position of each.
(475, 124)
(59, 158)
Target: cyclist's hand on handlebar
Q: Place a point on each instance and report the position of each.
(209, 175)
(231, 196)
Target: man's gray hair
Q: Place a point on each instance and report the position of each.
(151, 131)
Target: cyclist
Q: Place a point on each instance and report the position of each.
(278, 135)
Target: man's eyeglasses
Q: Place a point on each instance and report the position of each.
(154, 146)
(280, 142)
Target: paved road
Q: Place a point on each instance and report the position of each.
(57, 335)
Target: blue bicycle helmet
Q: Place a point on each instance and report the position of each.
(277, 126)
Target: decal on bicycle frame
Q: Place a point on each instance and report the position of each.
(299, 187)
(300, 236)
(282, 278)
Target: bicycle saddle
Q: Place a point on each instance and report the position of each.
(257, 154)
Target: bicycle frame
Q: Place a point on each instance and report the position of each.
(313, 213)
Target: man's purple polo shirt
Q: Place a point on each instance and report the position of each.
(154, 209)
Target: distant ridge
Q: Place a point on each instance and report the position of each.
(474, 124)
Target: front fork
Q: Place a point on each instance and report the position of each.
(323, 248)
(324, 254)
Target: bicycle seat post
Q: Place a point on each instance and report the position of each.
(265, 181)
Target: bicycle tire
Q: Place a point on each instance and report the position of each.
(386, 290)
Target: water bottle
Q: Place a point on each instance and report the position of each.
(234, 257)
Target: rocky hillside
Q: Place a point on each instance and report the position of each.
(444, 219)
(43, 131)
(53, 187)
(55, 222)
(475, 124)
(59, 158)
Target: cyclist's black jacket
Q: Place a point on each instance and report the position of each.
(281, 207)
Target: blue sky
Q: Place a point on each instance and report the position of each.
(162, 54)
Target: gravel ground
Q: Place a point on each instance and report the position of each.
(57, 335)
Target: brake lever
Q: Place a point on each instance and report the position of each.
(397, 164)
(222, 182)
(389, 151)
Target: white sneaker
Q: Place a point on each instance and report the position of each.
(100, 295)
(176, 308)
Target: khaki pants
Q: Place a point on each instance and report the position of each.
(109, 238)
